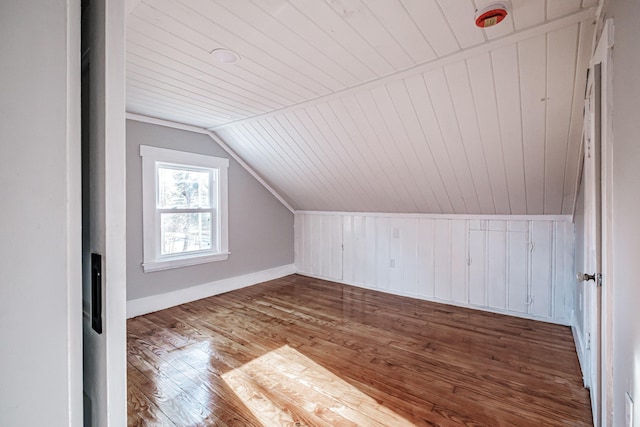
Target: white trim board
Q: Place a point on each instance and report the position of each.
(558, 218)
(140, 306)
(73, 238)
(165, 123)
(217, 140)
(579, 344)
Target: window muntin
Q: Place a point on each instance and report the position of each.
(184, 208)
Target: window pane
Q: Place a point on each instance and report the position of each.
(186, 232)
(183, 188)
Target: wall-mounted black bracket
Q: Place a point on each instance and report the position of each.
(96, 292)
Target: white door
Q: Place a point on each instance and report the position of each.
(598, 138)
(592, 264)
(103, 213)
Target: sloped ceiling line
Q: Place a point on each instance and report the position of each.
(217, 140)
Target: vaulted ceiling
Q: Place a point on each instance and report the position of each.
(377, 105)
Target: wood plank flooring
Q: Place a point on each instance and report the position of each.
(299, 351)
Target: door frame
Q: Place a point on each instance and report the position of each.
(603, 56)
(115, 302)
(108, 349)
(592, 241)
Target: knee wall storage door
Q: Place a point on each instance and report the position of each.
(519, 266)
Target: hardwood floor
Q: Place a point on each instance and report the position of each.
(305, 352)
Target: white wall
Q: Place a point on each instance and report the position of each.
(40, 289)
(514, 265)
(260, 227)
(626, 207)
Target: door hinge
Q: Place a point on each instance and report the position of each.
(587, 344)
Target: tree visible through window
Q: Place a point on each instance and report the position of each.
(189, 214)
(186, 209)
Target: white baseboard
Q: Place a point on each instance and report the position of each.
(140, 306)
(562, 322)
(580, 350)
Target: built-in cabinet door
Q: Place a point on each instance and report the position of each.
(426, 253)
(403, 248)
(518, 292)
(319, 247)
(330, 240)
(512, 266)
(304, 251)
(477, 264)
(541, 268)
(496, 266)
(459, 291)
(442, 260)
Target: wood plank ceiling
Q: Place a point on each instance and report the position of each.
(377, 105)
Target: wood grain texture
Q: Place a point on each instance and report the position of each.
(306, 352)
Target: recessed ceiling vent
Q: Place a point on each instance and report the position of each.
(225, 56)
(492, 14)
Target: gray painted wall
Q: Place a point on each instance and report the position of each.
(626, 206)
(260, 227)
(40, 282)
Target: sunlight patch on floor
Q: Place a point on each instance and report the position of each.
(179, 384)
(284, 387)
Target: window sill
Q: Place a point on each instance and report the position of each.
(168, 264)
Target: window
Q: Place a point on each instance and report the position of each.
(184, 208)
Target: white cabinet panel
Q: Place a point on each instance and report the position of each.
(335, 242)
(359, 250)
(300, 233)
(518, 278)
(303, 254)
(382, 253)
(396, 260)
(349, 251)
(370, 251)
(458, 255)
(564, 278)
(541, 268)
(409, 256)
(496, 269)
(319, 251)
(442, 262)
(325, 249)
(425, 262)
(478, 267)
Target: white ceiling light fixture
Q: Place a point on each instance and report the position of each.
(225, 56)
(492, 14)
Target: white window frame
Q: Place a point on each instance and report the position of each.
(152, 157)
